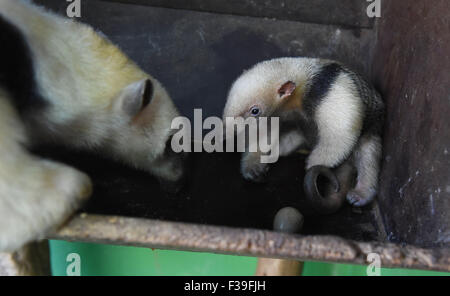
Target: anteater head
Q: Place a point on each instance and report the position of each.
(147, 112)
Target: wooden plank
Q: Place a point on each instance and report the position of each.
(278, 267)
(411, 69)
(348, 13)
(247, 242)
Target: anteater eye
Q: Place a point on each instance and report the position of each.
(254, 111)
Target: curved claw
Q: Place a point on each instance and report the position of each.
(323, 204)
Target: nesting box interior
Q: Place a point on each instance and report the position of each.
(197, 49)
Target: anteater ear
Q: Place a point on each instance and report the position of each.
(286, 89)
(135, 97)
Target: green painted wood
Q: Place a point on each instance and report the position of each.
(108, 260)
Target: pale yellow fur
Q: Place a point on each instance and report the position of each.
(36, 195)
(68, 52)
(84, 78)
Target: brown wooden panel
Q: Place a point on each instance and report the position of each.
(350, 13)
(411, 67)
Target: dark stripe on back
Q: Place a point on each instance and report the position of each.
(320, 86)
(374, 105)
(148, 93)
(316, 92)
(16, 68)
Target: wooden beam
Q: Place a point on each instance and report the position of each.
(246, 242)
(278, 267)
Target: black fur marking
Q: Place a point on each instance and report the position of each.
(320, 86)
(148, 93)
(374, 105)
(317, 90)
(16, 69)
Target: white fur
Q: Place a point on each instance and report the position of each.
(367, 159)
(35, 194)
(259, 84)
(339, 119)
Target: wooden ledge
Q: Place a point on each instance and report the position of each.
(246, 242)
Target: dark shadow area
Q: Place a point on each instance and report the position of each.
(215, 194)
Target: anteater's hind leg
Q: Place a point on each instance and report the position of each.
(36, 195)
(367, 157)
